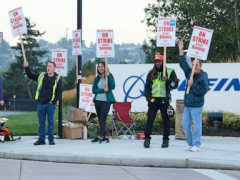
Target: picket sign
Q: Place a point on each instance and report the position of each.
(18, 26)
(59, 56)
(199, 46)
(77, 47)
(166, 35)
(86, 98)
(105, 47)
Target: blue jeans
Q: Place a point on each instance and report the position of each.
(44, 110)
(192, 134)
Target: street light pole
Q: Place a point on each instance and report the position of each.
(79, 26)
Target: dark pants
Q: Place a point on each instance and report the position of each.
(162, 105)
(102, 109)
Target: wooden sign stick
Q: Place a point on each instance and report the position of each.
(106, 70)
(191, 77)
(164, 61)
(76, 68)
(23, 50)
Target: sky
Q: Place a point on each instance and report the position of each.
(59, 18)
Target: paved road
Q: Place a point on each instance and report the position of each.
(6, 113)
(34, 170)
(215, 152)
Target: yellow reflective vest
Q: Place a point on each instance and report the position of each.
(39, 86)
(159, 86)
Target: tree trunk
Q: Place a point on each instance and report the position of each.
(29, 91)
(237, 26)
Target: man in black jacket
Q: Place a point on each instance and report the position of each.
(47, 94)
(157, 92)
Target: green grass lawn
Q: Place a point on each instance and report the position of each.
(27, 124)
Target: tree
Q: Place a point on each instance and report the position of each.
(15, 79)
(69, 82)
(218, 15)
(6, 56)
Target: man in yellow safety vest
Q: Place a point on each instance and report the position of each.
(47, 94)
(157, 92)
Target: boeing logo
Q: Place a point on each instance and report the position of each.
(233, 83)
(134, 80)
(138, 84)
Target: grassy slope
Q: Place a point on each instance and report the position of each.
(27, 124)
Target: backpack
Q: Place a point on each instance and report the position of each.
(4, 131)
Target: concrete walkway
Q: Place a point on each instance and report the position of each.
(215, 152)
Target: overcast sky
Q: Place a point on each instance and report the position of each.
(55, 16)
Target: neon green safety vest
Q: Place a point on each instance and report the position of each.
(40, 80)
(159, 86)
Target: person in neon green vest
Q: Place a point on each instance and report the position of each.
(157, 92)
(47, 94)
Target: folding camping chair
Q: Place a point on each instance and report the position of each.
(122, 123)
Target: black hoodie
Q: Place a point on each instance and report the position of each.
(46, 91)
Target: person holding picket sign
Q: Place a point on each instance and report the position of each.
(194, 101)
(103, 99)
(48, 93)
(157, 92)
(1, 92)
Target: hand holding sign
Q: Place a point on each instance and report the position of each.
(25, 64)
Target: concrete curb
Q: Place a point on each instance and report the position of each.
(126, 161)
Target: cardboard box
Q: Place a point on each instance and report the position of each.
(79, 116)
(73, 131)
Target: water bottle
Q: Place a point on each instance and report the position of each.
(84, 132)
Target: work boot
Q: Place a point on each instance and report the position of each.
(51, 142)
(40, 142)
(147, 143)
(165, 143)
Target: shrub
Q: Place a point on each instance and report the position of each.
(229, 119)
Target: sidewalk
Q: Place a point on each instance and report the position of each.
(215, 152)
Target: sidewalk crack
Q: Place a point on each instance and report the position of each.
(129, 173)
(20, 173)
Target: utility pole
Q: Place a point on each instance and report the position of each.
(79, 26)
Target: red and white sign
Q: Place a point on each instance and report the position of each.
(17, 22)
(59, 56)
(166, 31)
(90, 108)
(86, 98)
(200, 43)
(76, 42)
(105, 43)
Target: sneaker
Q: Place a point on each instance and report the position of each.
(165, 143)
(51, 142)
(194, 149)
(96, 139)
(39, 142)
(188, 148)
(146, 143)
(104, 139)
